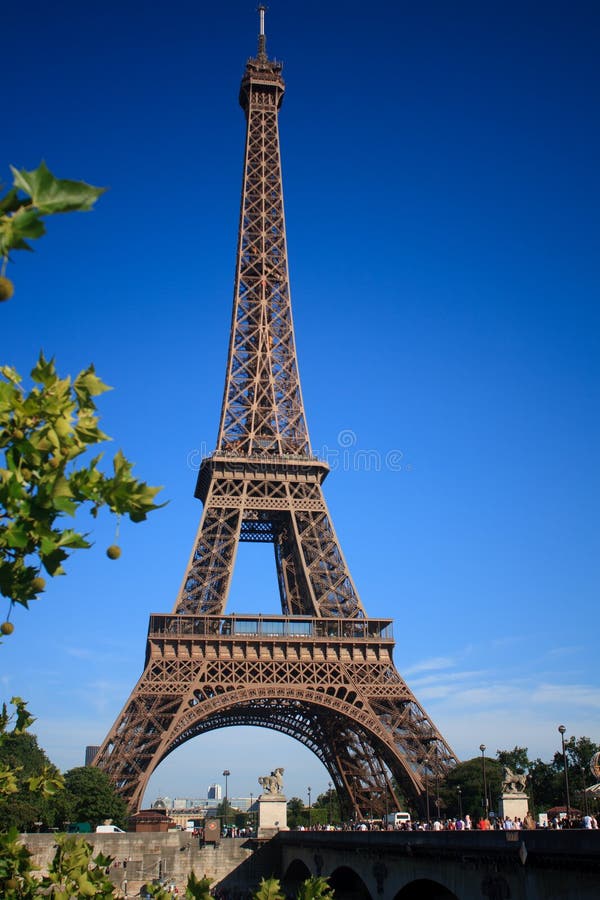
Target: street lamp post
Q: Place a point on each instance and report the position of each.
(482, 747)
(459, 792)
(585, 798)
(226, 774)
(386, 804)
(562, 730)
(309, 809)
(329, 795)
(251, 816)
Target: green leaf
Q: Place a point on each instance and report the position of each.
(55, 195)
(26, 223)
(87, 384)
(11, 202)
(44, 371)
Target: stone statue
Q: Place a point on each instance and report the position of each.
(273, 783)
(512, 782)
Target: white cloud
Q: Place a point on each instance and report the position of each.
(427, 665)
(568, 694)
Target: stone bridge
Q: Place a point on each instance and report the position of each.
(392, 865)
(497, 865)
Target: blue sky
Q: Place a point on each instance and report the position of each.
(442, 197)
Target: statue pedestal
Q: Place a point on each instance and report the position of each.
(272, 815)
(514, 804)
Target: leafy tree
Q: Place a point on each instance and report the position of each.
(27, 778)
(468, 776)
(517, 759)
(225, 810)
(42, 432)
(21, 755)
(45, 429)
(73, 872)
(295, 812)
(93, 797)
(328, 801)
(546, 786)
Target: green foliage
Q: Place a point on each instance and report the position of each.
(225, 810)
(315, 888)
(92, 797)
(517, 759)
(295, 814)
(468, 776)
(16, 879)
(43, 432)
(269, 889)
(21, 217)
(156, 890)
(74, 873)
(329, 802)
(28, 781)
(198, 888)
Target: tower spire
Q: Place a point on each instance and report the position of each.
(262, 41)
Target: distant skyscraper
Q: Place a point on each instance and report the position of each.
(90, 752)
(214, 792)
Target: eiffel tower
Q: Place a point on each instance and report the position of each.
(322, 672)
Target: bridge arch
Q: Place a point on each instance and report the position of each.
(348, 885)
(425, 889)
(295, 874)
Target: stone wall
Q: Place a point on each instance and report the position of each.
(236, 864)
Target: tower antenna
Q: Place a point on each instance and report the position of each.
(262, 41)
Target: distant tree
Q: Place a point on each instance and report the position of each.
(24, 766)
(517, 759)
(545, 785)
(295, 809)
(468, 776)
(328, 802)
(579, 752)
(225, 809)
(93, 798)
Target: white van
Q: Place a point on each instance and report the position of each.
(108, 829)
(398, 819)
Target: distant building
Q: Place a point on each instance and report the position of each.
(215, 792)
(90, 752)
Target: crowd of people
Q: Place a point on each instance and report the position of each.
(485, 823)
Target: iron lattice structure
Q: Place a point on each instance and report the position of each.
(322, 672)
